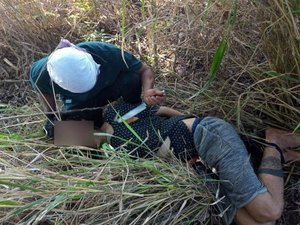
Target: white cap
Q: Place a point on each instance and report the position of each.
(73, 69)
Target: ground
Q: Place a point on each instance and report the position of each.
(12, 93)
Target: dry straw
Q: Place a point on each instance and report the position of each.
(255, 84)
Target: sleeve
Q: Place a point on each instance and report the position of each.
(39, 77)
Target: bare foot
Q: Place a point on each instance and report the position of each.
(286, 141)
(291, 156)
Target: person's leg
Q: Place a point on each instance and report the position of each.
(221, 149)
(268, 206)
(243, 218)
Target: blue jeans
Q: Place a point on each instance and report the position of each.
(220, 147)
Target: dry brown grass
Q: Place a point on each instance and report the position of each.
(258, 83)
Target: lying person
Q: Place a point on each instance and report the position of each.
(254, 198)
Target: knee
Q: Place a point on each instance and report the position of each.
(267, 218)
(270, 216)
(269, 213)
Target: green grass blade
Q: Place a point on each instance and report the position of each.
(29, 206)
(297, 128)
(221, 50)
(58, 199)
(217, 60)
(9, 203)
(129, 127)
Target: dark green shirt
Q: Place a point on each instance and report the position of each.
(112, 65)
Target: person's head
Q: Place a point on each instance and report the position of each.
(73, 69)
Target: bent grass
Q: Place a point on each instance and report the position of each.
(63, 184)
(253, 84)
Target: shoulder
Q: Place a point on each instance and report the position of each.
(38, 74)
(38, 67)
(95, 46)
(101, 52)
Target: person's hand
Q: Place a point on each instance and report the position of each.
(49, 126)
(154, 96)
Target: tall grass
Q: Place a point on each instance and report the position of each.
(253, 77)
(41, 183)
(61, 185)
(274, 94)
(281, 35)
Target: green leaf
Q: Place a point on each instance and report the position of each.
(151, 167)
(221, 49)
(217, 59)
(129, 127)
(7, 203)
(58, 199)
(285, 77)
(297, 128)
(29, 206)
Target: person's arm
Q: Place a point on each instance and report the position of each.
(48, 102)
(166, 111)
(268, 206)
(152, 96)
